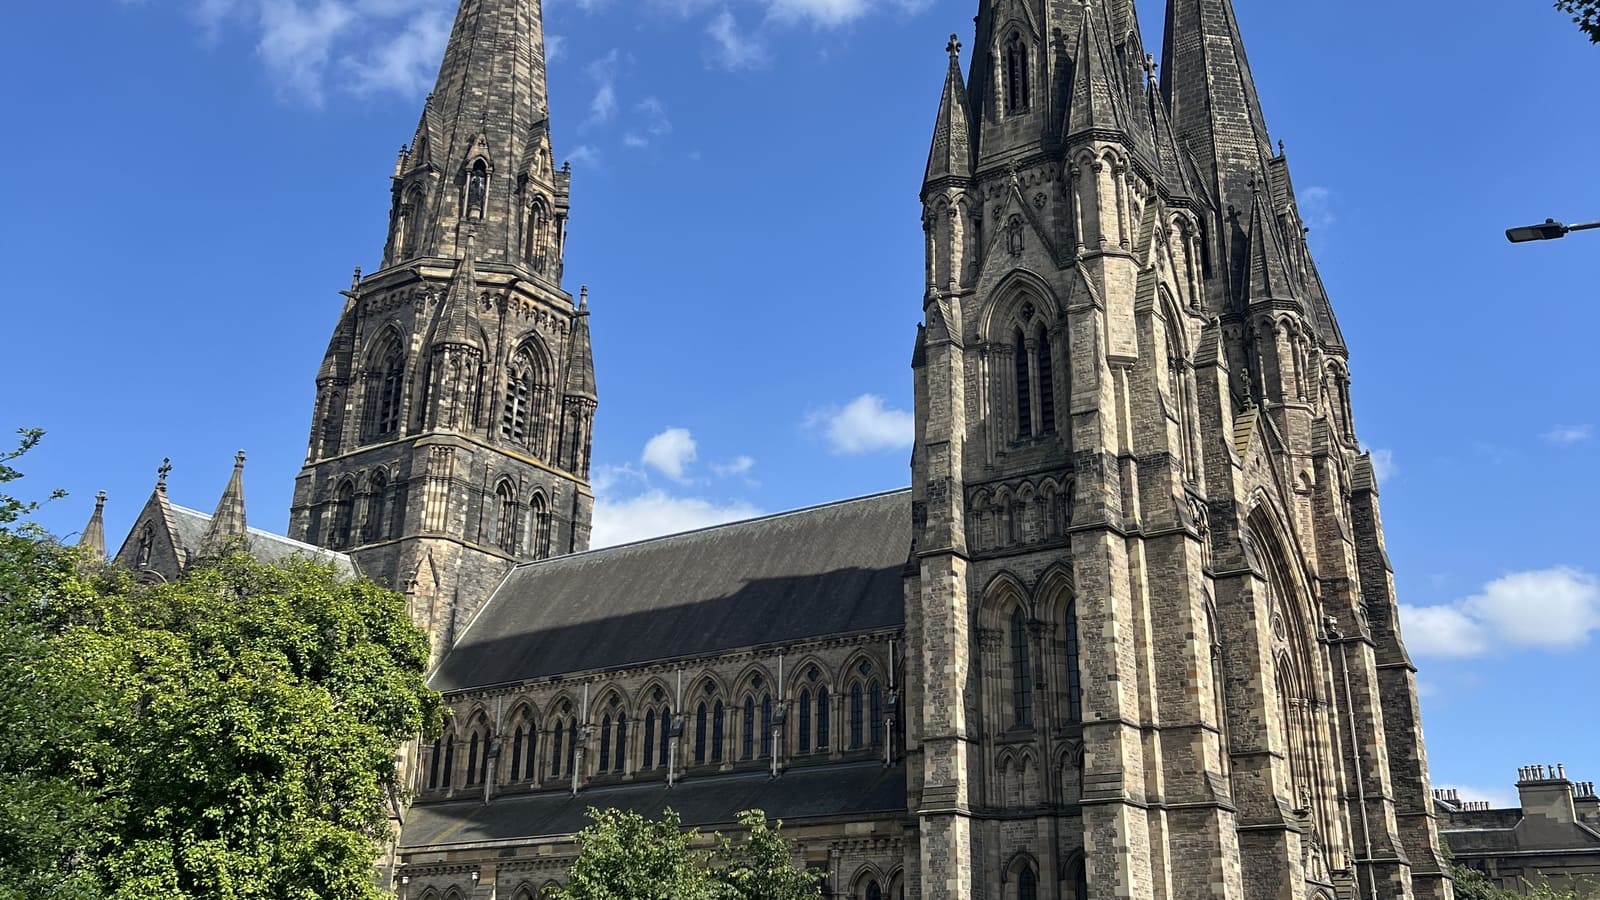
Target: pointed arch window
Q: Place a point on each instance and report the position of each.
(619, 762)
(538, 222)
(344, 507)
(527, 396)
(747, 739)
(717, 718)
(856, 716)
(449, 760)
(805, 721)
(1044, 365)
(822, 720)
(1016, 75)
(405, 238)
(332, 423)
(376, 527)
(1027, 884)
(1019, 355)
(516, 755)
(875, 706)
(666, 735)
(1080, 882)
(506, 521)
(874, 892)
(541, 528)
(1021, 672)
(1074, 688)
(605, 743)
(766, 726)
(649, 739)
(434, 763)
(147, 544)
(556, 741)
(387, 379)
(700, 735)
(477, 197)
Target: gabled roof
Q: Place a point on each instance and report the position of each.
(270, 548)
(796, 576)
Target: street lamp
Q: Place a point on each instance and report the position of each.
(1549, 230)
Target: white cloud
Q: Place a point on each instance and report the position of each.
(603, 72)
(1384, 467)
(649, 122)
(1563, 435)
(406, 64)
(735, 48)
(555, 48)
(1316, 207)
(739, 465)
(864, 425)
(670, 452)
(1549, 609)
(584, 155)
(655, 513)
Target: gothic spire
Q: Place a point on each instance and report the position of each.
(228, 521)
(93, 540)
(580, 367)
(950, 156)
(1212, 97)
(1095, 103)
(1269, 271)
(473, 139)
(456, 317)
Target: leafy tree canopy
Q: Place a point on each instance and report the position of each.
(231, 735)
(1586, 13)
(624, 856)
(1472, 885)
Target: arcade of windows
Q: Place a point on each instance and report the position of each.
(713, 732)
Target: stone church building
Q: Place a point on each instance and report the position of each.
(1130, 634)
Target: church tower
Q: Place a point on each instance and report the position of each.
(1153, 639)
(455, 404)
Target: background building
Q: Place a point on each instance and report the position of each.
(1553, 835)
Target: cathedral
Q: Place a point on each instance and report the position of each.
(1130, 634)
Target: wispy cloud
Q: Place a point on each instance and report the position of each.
(1566, 435)
(649, 123)
(1316, 207)
(733, 47)
(311, 48)
(739, 465)
(1550, 609)
(603, 72)
(1384, 467)
(864, 425)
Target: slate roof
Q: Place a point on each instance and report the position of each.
(835, 791)
(834, 569)
(264, 545)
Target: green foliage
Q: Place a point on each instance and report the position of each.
(231, 735)
(1585, 13)
(1472, 885)
(624, 856)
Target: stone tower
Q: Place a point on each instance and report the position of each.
(1154, 643)
(456, 401)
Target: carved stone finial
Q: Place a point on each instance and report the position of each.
(161, 475)
(100, 501)
(954, 47)
(238, 460)
(355, 278)
(583, 297)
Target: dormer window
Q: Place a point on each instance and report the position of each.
(1016, 75)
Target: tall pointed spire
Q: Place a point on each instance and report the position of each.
(580, 367)
(93, 540)
(483, 135)
(1213, 99)
(951, 153)
(228, 522)
(457, 315)
(1096, 103)
(1269, 272)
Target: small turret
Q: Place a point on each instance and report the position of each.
(951, 153)
(92, 543)
(228, 522)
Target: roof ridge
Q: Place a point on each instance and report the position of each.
(262, 532)
(693, 531)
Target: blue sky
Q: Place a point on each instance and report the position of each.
(192, 181)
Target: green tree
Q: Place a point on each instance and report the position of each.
(1586, 13)
(624, 856)
(231, 735)
(760, 864)
(47, 819)
(1472, 885)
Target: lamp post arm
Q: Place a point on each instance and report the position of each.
(1583, 226)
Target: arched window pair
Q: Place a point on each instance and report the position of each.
(613, 733)
(1035, 383)
(442, 767)
(563, 740)
(866, 703)
(708, 733)
(806, 744)
(523, 739)
(656, 742)
(342, 516)
(478, 758)
(748, 740)
(376, 526)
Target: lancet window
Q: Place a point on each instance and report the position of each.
(506, 520)
(1074, 687)
(387, 381)
(1021, 672)
(1016, 75)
